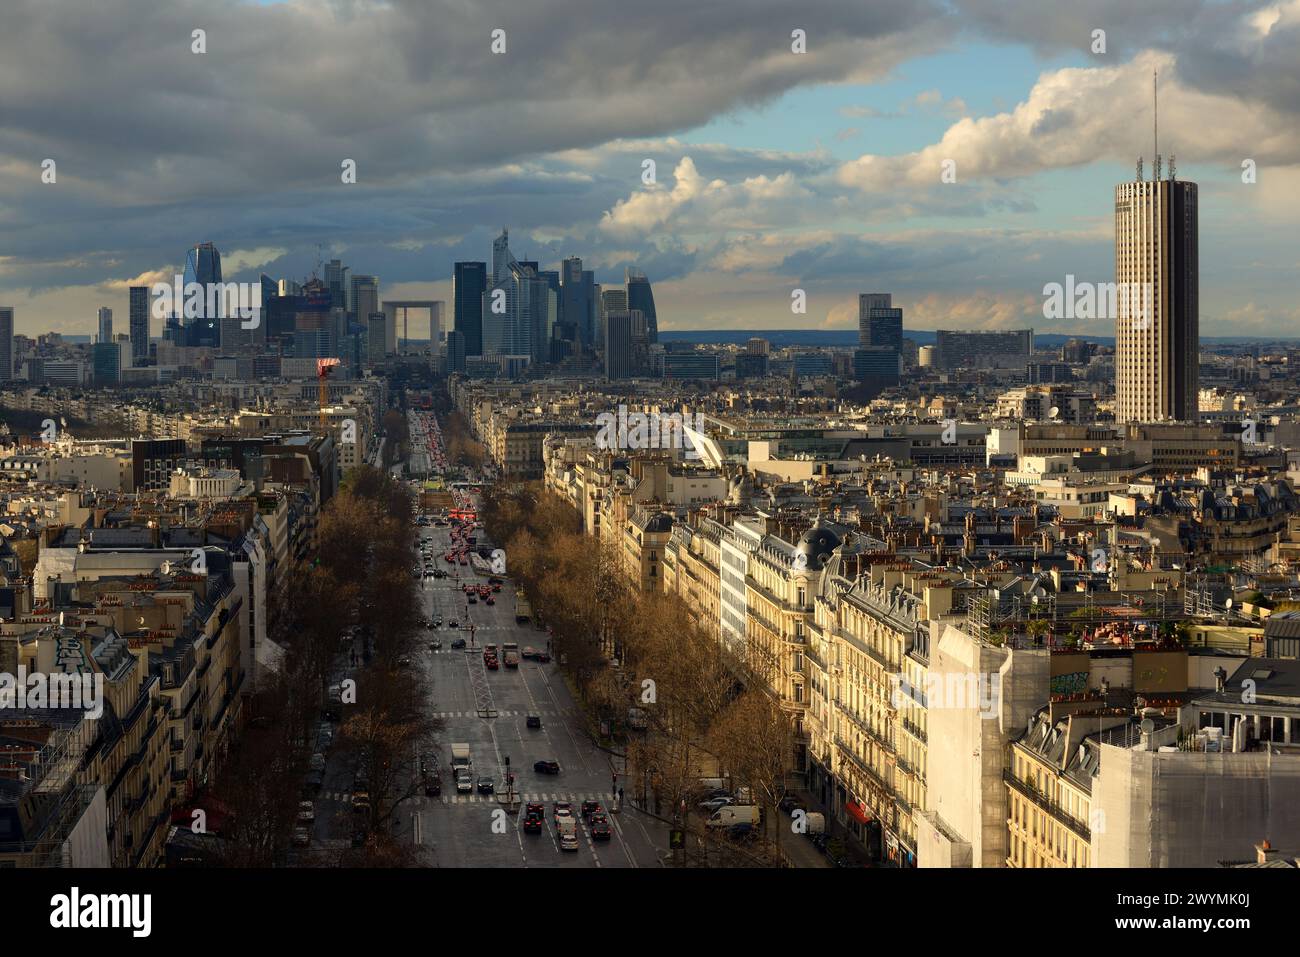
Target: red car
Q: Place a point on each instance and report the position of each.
(492, 665)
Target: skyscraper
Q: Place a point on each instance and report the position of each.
(640, 296)
(618, 345)
(6, 343)
(1157, 326)
(202, 266)
(336, 280)
(575, 300)
(867, 301)
(468, 286)
(105, 324)
(138, 320)
(365, 302)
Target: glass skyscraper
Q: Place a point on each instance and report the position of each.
(468, 287)
(640, 296)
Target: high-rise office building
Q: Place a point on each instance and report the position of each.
(468, 287)
(866, 302)
(6, 343)
(576, 300)
(618, 345)
(956, 349)
(640, 296)
(138, 319)
(455, 351)
(1157, 326)
(105, 318)
(336, 281)
(202, 266)
(365, 302)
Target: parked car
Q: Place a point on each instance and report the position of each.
(790, 803)
(306, 812)
(533, 721)
(546, 767)
(317, 762)
(712, 804)
(301, 837)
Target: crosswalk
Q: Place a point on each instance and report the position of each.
(507, 714)
(573, 798)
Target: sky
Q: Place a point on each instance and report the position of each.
(775, 168)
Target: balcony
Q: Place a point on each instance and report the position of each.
(1039, 800)
(915, 731)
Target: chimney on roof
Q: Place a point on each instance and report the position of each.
(1265, 853)
(1220, 677)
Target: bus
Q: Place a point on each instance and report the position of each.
(523, 612)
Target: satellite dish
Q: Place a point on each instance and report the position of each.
(1228, 604)
(165, 568)
(1147, 725)
(1053, 412)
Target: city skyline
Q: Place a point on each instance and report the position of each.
(816, 173)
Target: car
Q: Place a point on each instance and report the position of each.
(404, 662)
(435, 645)
(546, 767)
(543, 656)
(535, 807)
(473, 600)
(561, 809)
(432, 784)
(533, 721)
(742, 832)
(488, 601)
(361, 803)
(496, 588)
(358, 838)
(485, 785)
(360, 782)
(453, 623)
(528, 652)
(790, 803)
(306, 812)
(437, 623)
(324, 737)
(331, 715)
(532, 823)
(317, 762)
(464, 782)
(589, 807)
(492, 664)
(301, 837)
(458, 644)
(493, 580)
(712, 804)
(600, 830)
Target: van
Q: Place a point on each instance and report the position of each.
(814, 823)
(735, 814)
(568, 831)
(712, 784)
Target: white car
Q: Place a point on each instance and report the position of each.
(301, 837)
(464, 781)
(306, 812)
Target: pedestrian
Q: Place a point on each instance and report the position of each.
(620, 795)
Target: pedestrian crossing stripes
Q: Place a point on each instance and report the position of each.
(542, 798)
(505, 714)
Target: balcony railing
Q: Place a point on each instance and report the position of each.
(1039, 800)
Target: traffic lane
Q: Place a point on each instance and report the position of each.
(473, 835)
(547, 688)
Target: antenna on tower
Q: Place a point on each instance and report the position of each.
(1155, 123)
(1171, 167)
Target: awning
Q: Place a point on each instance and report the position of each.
(858, 812)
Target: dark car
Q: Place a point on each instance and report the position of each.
(432, 785)
(489, 601)
(588, 807)
(485, 785)
(453, 623)
(473, 600)
(358, 838)
(546, 767)
(535, 807)
(790, 803)
(543, 656)
(458, 644)
(533, 822)
(600, 830)
(533, 721)
(315, 780)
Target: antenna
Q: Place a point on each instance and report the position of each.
(1155, 123)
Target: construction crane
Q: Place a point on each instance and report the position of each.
(323, 367)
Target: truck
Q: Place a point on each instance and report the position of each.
(567, 828)
(523, 611)
(734, 815)
(459, 758)
(510, 654)
(636, 719)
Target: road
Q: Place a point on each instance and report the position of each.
(473, 830)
